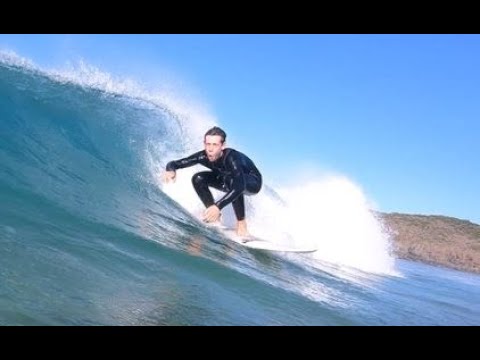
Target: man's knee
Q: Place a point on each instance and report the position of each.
(198, 179)
(254, 185)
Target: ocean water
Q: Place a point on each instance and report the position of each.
(90, 236)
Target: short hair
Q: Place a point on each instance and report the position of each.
(217, 131)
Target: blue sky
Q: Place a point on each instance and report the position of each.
(397, 114)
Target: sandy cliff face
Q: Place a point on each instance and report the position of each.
(436, 240)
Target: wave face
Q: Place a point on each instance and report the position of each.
(89, 235)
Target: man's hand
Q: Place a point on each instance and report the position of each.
(211, 214)
(169, 176)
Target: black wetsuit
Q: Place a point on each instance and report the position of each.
(233, 173)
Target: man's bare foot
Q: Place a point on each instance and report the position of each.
(242, 228)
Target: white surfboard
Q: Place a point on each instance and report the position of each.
(254, 242)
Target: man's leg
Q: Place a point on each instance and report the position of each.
(253, 186)
(201, 181)
(239, 208)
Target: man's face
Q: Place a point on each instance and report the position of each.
(213, 146)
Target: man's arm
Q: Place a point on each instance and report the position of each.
(185, 162)
(170, 174)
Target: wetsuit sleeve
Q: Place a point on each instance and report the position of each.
(238, 186)
(185, 162)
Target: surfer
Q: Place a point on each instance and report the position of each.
(231, 172)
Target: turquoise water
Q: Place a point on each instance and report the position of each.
(87, 237)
